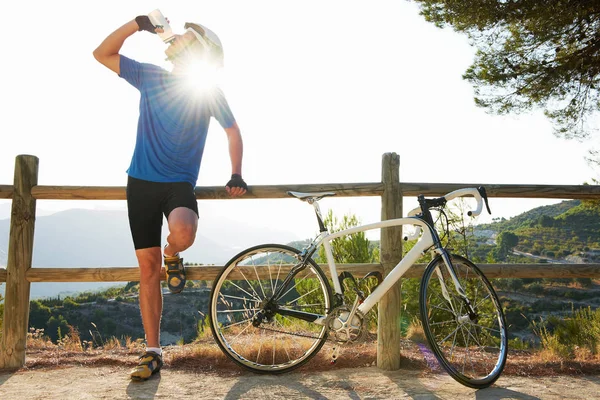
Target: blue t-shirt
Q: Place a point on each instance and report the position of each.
(173, 123)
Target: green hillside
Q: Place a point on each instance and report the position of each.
(569, 228)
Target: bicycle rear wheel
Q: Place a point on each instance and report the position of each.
(471, 348)
(260, 332)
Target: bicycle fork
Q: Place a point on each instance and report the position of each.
(472, 315)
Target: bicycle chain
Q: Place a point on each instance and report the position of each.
(327, 322)
(289, 333)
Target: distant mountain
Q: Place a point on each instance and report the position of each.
(553, 210)
(101, 238)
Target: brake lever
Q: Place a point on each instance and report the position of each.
(483, 194)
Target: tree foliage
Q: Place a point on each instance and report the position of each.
(506, 243)
(530, 54)
(353, 248)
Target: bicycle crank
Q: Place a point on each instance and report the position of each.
(345, 327)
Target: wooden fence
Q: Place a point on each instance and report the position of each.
(25, 191)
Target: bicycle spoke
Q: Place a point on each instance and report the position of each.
(236, 323)
(455, 332)
(256, 296)
(259, 281)
(304, 295)
(467, 353)
(234, 297)
(239, 310)
(482, 300)
(487, 328)
(293, 287)
(252, 296)
(444, 309)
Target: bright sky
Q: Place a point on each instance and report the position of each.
(320, 89)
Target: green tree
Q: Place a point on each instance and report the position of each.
(353, 248)
(546, 221)
(506, 242)
(56, 325)
(530, 54)
(38, 314)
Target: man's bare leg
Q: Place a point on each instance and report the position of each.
(151, 301)
(183, 224)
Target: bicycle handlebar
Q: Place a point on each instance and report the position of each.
(479, 193)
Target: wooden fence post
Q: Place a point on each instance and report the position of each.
(388, 326)
(20, 254)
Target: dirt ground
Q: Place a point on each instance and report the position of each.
(203, 372)
(108, 382)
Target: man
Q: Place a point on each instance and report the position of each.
(172, 127)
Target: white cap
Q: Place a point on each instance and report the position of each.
(209, 40)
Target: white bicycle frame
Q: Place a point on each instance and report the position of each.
(425, 242)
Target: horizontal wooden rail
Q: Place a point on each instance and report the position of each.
(127, 274)
(6, 191)
(509, 191)
(342, 189)
(207, 192)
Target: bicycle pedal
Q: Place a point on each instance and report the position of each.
(335, 353)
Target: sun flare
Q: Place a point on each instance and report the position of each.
(201, 76)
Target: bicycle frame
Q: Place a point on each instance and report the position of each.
(425, 242)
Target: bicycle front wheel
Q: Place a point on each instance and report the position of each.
(263, 321)
(472, 347)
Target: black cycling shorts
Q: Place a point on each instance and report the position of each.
(147, 202)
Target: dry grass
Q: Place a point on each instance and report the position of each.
(206, 356)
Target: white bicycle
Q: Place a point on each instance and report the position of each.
(272, 308)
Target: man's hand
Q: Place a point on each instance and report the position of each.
(144, 24)
(236, 186)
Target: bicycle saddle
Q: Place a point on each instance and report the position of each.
(315, 195)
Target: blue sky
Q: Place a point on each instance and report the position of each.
(320, 89)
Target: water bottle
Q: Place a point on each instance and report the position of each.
(159, 21)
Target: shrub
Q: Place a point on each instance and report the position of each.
(577, 333)
(585, 282)
(70, 304)
(536, 288)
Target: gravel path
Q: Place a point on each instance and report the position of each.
(356, 383)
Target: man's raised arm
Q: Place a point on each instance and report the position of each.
(108, 51)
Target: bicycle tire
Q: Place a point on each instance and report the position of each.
(472, 349)
(282, 343)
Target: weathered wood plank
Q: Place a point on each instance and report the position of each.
(2, 274)
(207, 192)
(342, 189)
(541, 270)
(126, 274)
(390, 305)
(6, 191)
(510, 191)
(20, 255)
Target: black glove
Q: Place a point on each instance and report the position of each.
(237, 181)
(144, 24)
